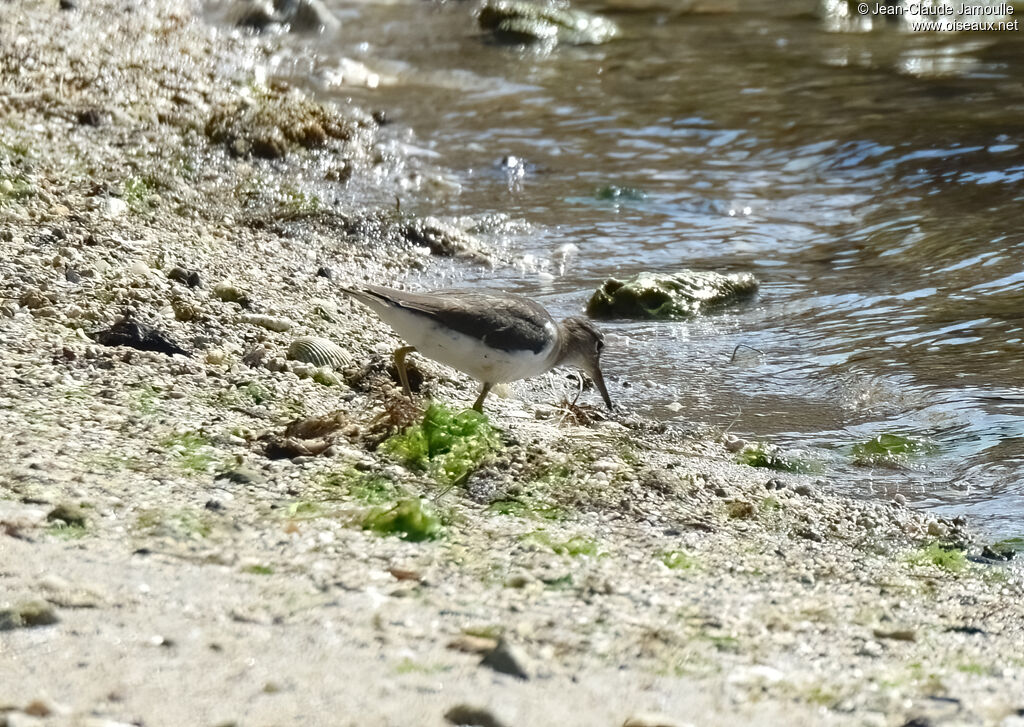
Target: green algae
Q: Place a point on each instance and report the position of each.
(677, 560)
(447, 445)
(413, 519)
(942, 556)
(768, 456)
(891, 450)
(574, 546)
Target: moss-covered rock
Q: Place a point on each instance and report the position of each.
(524, 22)
(272, 124)
(669, 296)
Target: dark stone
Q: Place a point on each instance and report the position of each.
(380, 117)
(187, 277)
(72, 276)
(27, 615)
(214, 505)
(504, 658)
(471, 716)
(325, 272)
(91, 117)
(139, 336)
(68, 5)
(71, 515)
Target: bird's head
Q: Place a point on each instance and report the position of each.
(582, 347)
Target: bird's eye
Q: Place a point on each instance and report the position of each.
(600, 345)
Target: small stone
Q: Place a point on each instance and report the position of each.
(187, 277)
(775, 484)
(215, 357)
(140, 269)
(231, 294)
(804, 489)
(138, 335)
(325, 272)
(467, 715)
(469, 644)
(71, 515)
(72, 276)
(271, 323)
(506, 659)
(733, 443)
(27, 614)
(900, 499)
(896, 634)
(741, 510)
(810, 534)
(937, 529)
(243, 476)
(114, 207)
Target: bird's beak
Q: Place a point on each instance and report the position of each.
(594, 371)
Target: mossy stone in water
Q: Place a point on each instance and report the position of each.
(664, 296)
(525, 22)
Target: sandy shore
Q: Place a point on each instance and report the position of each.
(157, 567)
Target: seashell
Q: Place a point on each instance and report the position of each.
(319, 352)
(269, 322)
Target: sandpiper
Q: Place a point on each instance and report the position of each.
(493, 338)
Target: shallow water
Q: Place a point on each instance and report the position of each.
(872, 181)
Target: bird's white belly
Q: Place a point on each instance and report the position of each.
(468, 354)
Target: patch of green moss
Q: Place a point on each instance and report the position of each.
(295, 201)
(136, 193)
(677, 560)
(367, 488)
(447, 445)
(942, 556)
(972, 668)
(768, 456)
(527, 507)
(408, 666)
(413, 519)
(891, 450)
(303, 510)
(192, 450)
(67, 532)
(179, 523)
(577, 545)
(259, 570)
(14, 190)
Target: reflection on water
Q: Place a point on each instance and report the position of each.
(873, 182)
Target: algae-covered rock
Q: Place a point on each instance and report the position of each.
(273, 124)
(524, 22)
(667, 296)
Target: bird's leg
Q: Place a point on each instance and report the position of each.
(479, 405)
(403, 375)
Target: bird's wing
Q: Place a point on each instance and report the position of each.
(505, 322)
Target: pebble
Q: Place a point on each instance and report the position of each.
(230, 293)
(271, 323)
(27, 614)
(506, 659)
(114, 207)
(733, 443)
(466, 715)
